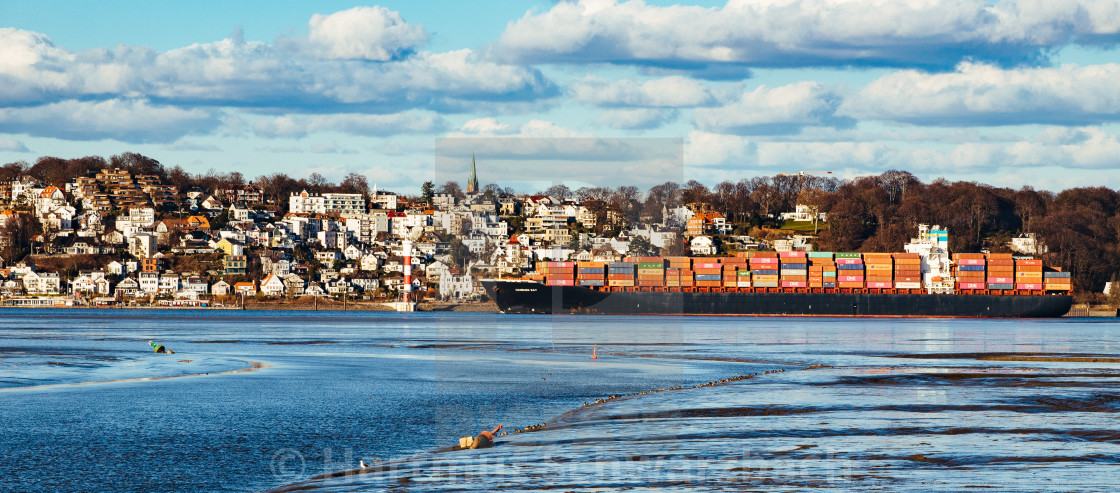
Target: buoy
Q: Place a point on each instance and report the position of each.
(594, 352)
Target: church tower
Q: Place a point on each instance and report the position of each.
(472, 182)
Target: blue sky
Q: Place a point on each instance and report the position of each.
(1009, 93)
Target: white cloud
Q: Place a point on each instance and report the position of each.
(127, 121)
(330, 147)
(636, 118)
(787, 33)
(12, 145)
(235, 73)
(978, 94)
(778, 110)
(353, 124)
(365, 33)
(187, 145)
(1083, 148)
(672, 91)
(486, 126)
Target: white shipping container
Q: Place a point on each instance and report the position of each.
(908, 285)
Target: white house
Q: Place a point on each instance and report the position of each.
(802, 212)
(702, 245)
(149, 282)
(453, 286)
(168, 283)
(42, 283)
(273, 285)
(220, 288)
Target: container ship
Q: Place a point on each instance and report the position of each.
(923, 281)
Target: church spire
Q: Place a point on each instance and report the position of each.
(472, 182)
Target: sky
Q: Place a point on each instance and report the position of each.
(596, 92)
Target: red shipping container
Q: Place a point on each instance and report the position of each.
(971, 285)
(849, 261)
(971, 261)
(1001, 280)
(858, 279)
(792, 254)
(560, 282)
(763, 260)
(880, 284)
(795, 284)
(706, 265)
(1028, 286)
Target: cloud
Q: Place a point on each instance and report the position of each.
(12, 145)
(364, 33)
(773, 111)
(123, 120)
(803, 33)
(186, 145)
(330, 147)
(235, 73)
(1083, 148)
(486, 126)
(353, 124)
(671, 92)
(636, 118)
(980, 94)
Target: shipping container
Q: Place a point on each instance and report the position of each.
(908, 285)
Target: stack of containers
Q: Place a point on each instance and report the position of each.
(794, 269)
(970, 271)
(672, 277)
(849, 270)
(679, 271)
(620, 274)
(1001, 271)
(1028, 275)
(707, 272)
(907, 271)
(559, 273)
(592, 274)
(651, 271)
(1056, 281)
(732, 266)
(764, 269)
(822, 270)
(878, 270)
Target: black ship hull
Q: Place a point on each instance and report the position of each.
(533, 297)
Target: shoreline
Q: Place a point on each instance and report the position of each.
(370, 306)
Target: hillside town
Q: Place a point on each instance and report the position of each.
(129, 231)
(122, 237)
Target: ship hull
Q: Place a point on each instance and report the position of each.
(532, 297)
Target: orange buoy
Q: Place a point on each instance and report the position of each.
(594, 351)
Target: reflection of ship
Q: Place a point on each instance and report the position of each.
(535, 297)
(926, 281)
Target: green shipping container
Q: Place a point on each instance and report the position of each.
(651, 265)
(820, 254)
(744, 273)
(848, 255)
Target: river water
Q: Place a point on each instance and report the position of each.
(293, 400)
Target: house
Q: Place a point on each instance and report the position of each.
(457, 287)
(235, 264)
(115, 268)
(128, 287)
(42, 283)
(703, 223)
(273, 285)
(245, 288)
(702, 245)
(802, 212)
(1028, 243)
(293, 285)
(143, 245)
(149, 282)
(314, 289)
(168, 283)
(220, 288)
(196, 284)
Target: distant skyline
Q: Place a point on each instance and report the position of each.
(1008, 93)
